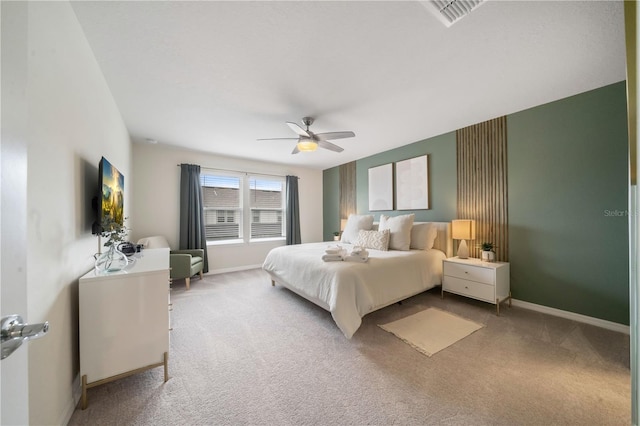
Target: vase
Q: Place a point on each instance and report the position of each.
(488, 256)
(112, 260)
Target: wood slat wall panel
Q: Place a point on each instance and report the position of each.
(482, 183)
(347, 189)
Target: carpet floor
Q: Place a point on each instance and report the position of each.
(246, 353)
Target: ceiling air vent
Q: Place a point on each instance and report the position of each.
(451, 11)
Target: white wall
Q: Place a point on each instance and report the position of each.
(156, 211)
(72, 122)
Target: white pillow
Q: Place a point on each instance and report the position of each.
(355, 223)
(377, 240)
(400, 230)
(423, 235)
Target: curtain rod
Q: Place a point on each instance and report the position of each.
(240, 171)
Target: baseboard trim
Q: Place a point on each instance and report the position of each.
(609, 325)
(236, 269)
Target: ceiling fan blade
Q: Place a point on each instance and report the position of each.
(334, 135)
(295, 150)
(299, 130)
(278, 139)
(329, 146)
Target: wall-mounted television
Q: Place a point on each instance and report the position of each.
(110, 200)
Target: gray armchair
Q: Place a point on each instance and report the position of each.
(183, 263)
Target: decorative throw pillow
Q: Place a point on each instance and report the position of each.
(376, 240)
(400, 230)
(355, 223)
(423, 235)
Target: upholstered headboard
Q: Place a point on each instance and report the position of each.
(443, 241)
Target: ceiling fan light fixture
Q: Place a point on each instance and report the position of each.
(307, 145)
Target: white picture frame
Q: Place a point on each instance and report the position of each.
(412, 183)
(381, 187)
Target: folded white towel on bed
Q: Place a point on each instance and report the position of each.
(332, 257)
(358, 259)
(335, 249)
(358, 254)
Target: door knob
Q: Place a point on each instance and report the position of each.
(13, 331)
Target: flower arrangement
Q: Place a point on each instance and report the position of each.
(113, 259)
(114, 232)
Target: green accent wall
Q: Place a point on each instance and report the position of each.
(442, 177)
(568, 189)
(567, 200)
(330, 202)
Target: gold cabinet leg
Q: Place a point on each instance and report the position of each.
(497, 307)
(166, 366)
(273, 283)
(509, 299)
(83, 399)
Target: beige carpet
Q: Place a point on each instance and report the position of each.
(246, 353)
(431, 330)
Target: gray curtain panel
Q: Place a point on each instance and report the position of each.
(293, 211)
(192, 232)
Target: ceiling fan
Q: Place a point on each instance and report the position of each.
(309, 141)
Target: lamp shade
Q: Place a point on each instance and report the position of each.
(343, 224)
(463, 229)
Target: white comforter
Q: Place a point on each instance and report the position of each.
(350, 290)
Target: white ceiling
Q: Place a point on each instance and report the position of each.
(215, 76)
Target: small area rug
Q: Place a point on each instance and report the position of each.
(431, 330)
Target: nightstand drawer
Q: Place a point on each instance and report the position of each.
(470, 272)
(472, 289)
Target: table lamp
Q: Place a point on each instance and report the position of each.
(463, 230)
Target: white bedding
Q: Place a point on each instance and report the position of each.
(350, 290)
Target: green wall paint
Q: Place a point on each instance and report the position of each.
(330, 202)
(567, 165)
(567, 180)
(442, 177)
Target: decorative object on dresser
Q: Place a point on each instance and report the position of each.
(479, 280)
(488, 255)
(463, 229)
(112, 259)
(336, 236)
(124, 320)
(431, 330)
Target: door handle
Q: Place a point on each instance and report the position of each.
(13, 331)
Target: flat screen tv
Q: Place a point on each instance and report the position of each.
(110, 202)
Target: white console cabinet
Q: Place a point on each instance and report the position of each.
(124, 320)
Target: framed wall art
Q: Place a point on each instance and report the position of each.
(412, 183)
(381, 187)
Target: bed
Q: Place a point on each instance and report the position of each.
(350, 290)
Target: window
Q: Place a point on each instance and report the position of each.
(226, 193)
(222, 206)
(266, 199)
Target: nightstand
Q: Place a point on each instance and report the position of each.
(486, 281)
